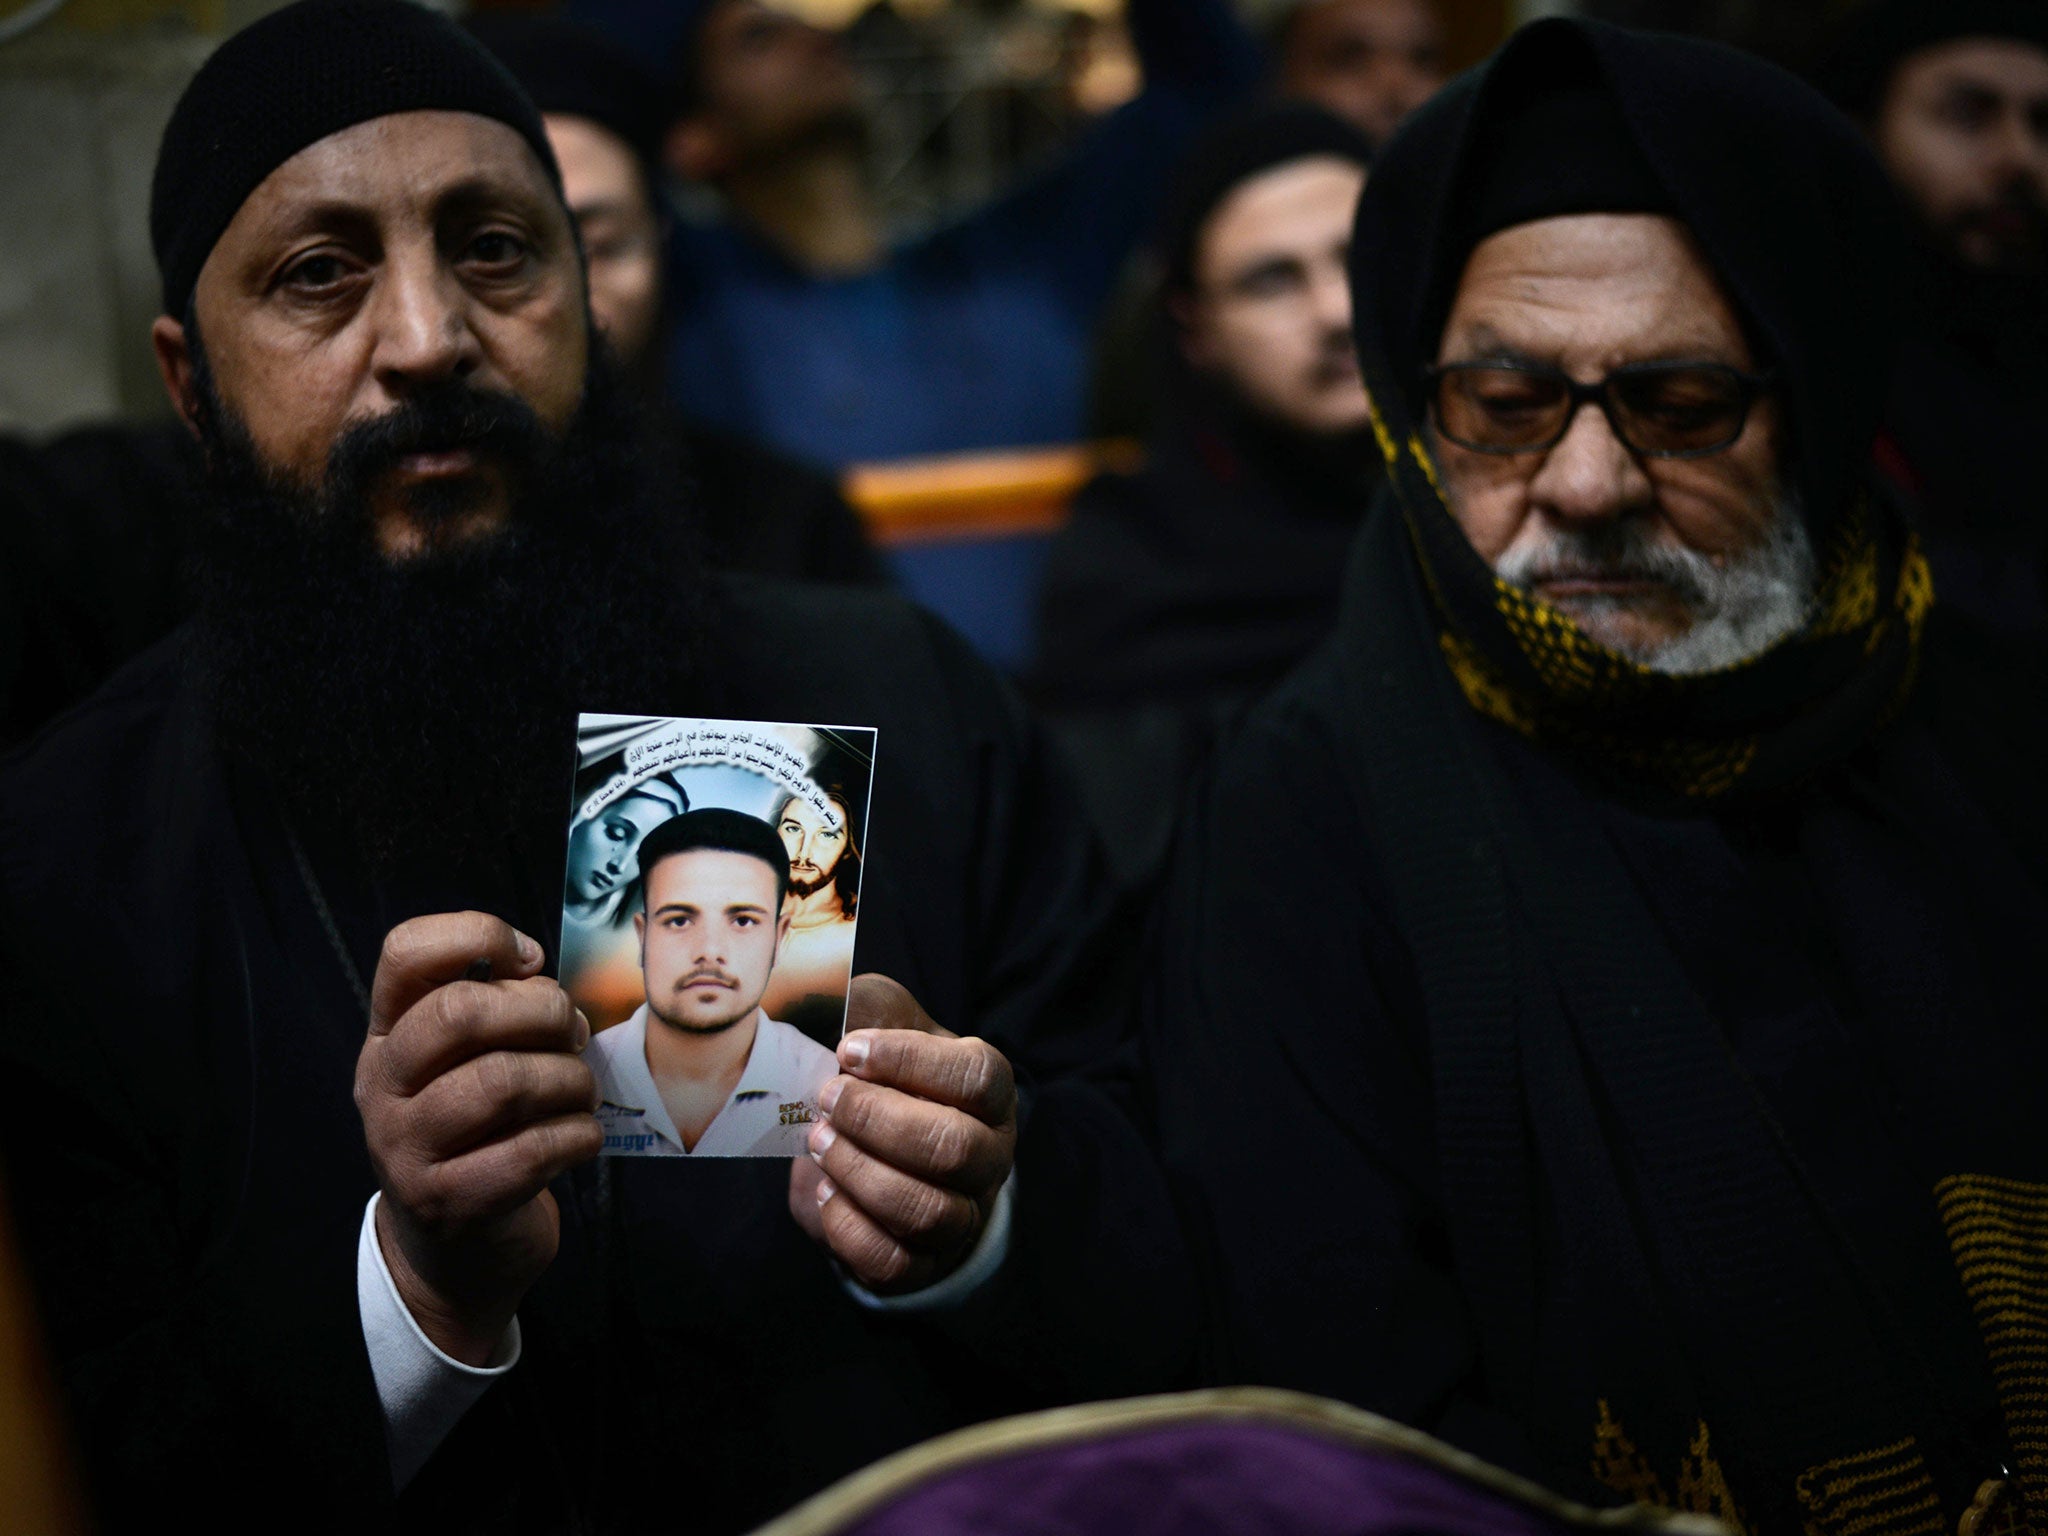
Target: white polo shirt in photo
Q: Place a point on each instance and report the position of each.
(769, 1114)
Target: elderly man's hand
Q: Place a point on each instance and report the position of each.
(918, 1137)
(473, 1098)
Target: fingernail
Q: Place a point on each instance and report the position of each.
(853, 1050)
(582, 1029)
(826, 1190)
(829, 1095)
(821, 1140)
(529, 951)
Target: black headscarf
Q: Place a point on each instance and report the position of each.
(1246, 144)
(1803, 232)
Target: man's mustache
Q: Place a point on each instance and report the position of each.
(2016, 204)
(438, 419)
(1336, 360)
(1619, 552)
(706, 978)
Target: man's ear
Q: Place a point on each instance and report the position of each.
(174, 362)
(640, 936)
(695, 149)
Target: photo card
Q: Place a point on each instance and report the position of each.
(708, 913)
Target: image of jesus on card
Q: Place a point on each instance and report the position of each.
(700, 1069)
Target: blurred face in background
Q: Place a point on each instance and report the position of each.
(1371, 62)
(1964, 131)
(1269, 315)
(767, 82)
(608, 199)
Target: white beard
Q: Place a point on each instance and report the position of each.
(1741, 607)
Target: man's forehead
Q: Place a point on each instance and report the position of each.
(1386, 23)
(711, 877)
(1613, 283)
(405, 161)
(1268, 208)
(1996, 63)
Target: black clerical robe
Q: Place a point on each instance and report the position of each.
(1178, 594)
(188, 1175)
(1688, 1156)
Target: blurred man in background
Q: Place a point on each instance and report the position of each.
(1176, 594)
(797, 320)
(1954, 94)
(1371, 62)
(760, 510)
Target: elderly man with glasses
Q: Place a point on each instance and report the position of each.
(1598, 1017)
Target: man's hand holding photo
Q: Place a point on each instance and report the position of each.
(474, 1098)
(918, 1138)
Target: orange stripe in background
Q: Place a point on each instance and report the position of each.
(979, 495)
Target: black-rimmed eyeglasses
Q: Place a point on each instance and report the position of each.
(1661, 410)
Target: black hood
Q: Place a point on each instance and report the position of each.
(1778, 187)
(1807, 239)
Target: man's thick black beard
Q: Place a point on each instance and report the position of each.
(425, 708)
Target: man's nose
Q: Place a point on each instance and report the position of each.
(1330, 294)
(423, 325)
(1589, 475)
(2017, 149)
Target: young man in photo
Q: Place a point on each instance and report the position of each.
(700, 1067)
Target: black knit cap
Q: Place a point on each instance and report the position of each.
(1241, 147)
(1875, 38)
(290, 80)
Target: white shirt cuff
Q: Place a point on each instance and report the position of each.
(982, 1262)
(425, 1392)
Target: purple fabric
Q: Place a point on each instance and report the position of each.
(1233, 1479)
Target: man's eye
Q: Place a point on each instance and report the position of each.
(320, 271)
(1970, 110)
(743, 920)
(496, 248)
(1511, 399)
(1269, 282)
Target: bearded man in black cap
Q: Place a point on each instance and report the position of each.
(1954, 94)
(1597, 1018)
(288, 1266)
